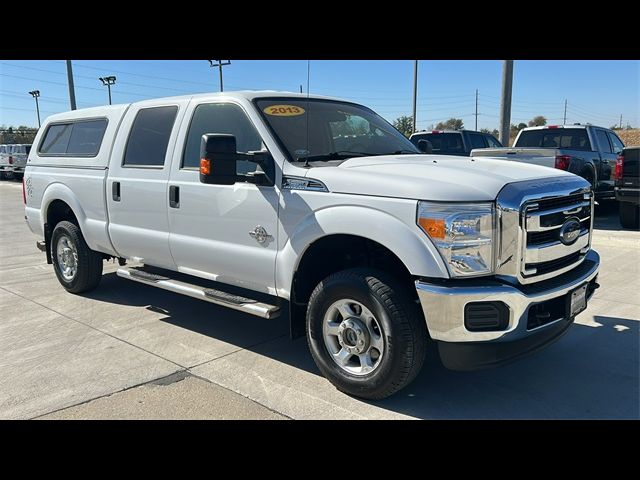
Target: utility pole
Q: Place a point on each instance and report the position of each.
(620, 121)
(72, 91)
(300, 88)
(220, 64)
(476, 109)
(35, 94)
(415, 94)
(505, 101)
(564, 122)
(108, 81)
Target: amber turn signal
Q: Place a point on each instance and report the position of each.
(205, 166)
(434, 227)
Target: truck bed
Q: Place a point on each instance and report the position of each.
(545, 157)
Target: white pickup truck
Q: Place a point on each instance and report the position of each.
(316, 208)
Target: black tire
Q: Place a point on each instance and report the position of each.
(89, 264)
(402, 324)
(629, 215)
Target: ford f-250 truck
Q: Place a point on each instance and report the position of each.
(585, 150)
(265, 202)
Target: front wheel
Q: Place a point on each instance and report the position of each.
(78, 268)
(365, 333)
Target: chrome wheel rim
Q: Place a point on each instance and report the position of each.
(67, 256)
(353, 337)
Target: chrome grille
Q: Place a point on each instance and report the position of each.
(531, 215)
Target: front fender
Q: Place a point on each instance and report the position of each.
(414, 249)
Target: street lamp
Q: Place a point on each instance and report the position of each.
(108, 81)
(220, 64)
(35, 94)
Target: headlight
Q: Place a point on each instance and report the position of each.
(463, 233)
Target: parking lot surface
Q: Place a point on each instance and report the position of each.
(127, 350)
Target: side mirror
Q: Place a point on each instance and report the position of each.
(425, 146)
(218, 157)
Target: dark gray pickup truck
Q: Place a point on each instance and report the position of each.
(627, 177)
(585, 150)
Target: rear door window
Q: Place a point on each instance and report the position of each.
(603, 141)
(477, 141)
(618, 146)
(493, 143)
(149, 137)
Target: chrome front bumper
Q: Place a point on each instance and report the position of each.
(443, 303)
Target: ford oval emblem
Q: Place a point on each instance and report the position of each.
(570, 231)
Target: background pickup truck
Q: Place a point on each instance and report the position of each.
(627, 177)
(585, 150)
(456, 142)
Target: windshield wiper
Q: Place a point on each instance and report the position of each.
(401, 152)
(326, 157)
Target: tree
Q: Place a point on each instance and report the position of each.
(538, 121)
(522, 125)
(404, 124)
(451, 124)
(493, 132)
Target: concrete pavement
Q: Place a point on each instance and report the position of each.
(98, 355)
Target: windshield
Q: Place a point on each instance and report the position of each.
(312, 130)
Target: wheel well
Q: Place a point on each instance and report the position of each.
(333, 253)
(59, 211)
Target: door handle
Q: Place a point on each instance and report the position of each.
(115, 191)
(174, 196)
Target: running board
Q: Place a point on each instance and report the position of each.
(237, 302)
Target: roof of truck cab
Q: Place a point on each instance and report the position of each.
(243, 94)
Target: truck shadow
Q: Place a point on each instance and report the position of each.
(592, 372)
(606, 216)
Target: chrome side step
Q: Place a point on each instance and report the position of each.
(225, 299)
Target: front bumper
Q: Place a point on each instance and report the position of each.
(443, 305)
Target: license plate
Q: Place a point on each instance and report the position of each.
(578, 300)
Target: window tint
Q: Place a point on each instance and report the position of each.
(149, 136)
(442, 142)
(86, 137)
(618, 146)
(573, 138)
(476, 141)
(221, 118)
(56, 139)
(71, 139)
(603, 141)
(493, 143)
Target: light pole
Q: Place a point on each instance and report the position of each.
(108, 81)
(72, 91)
(220, 64)
(35, 94)
(415, 94)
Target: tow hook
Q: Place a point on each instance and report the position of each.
(42, 246)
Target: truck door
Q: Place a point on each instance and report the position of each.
(137, 182)
(607, 160)
(225, 233)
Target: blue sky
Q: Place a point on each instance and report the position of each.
(597, 91)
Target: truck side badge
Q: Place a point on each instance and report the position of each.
(260, 235)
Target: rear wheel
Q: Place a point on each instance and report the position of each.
(365, 333)
(78, 268)
(629, 215)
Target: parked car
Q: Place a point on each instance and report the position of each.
(455, 142)
(19, 154)
(585, 150)
(627, 178)
(241, 199)
(5, 166)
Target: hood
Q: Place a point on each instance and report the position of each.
(428, 177)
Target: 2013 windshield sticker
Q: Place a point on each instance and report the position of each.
(284, 110)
